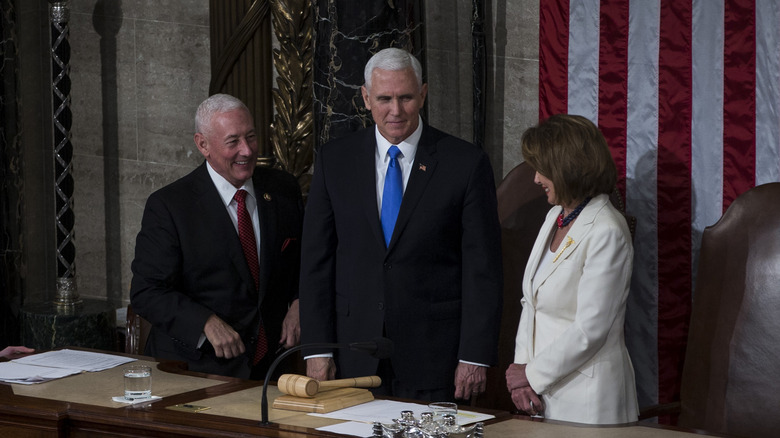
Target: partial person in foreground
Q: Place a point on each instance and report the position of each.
(401, 239)
(218, 255)
(15, 352)
(571, 361)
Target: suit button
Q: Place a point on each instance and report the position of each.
(388, 266)
(381, 306)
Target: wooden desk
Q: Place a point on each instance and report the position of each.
(81, 406)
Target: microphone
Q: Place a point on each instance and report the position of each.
(380, 348)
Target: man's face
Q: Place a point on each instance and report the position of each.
(395, 101)
(229, 144)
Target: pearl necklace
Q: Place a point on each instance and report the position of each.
(563, 221)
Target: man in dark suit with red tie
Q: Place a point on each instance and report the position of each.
(217, 258)
(426, 273)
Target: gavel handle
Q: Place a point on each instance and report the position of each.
(355, 382)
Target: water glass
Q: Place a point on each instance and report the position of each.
(138, 382)
(440, 409)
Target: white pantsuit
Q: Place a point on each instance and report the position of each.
(571, 329)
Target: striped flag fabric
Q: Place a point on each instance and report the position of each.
(687, 93)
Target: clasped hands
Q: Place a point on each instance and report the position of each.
(523, 396)
(227, 342)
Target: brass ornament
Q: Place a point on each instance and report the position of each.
(292, 131)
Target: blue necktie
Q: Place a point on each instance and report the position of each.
(392, 194)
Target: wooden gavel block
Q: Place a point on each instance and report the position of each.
(302, 386)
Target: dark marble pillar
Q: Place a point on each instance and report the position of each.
(10, 179)
(347, 34)
(68, 320)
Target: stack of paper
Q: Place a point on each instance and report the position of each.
(51, 365)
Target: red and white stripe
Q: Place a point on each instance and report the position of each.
(687, 93)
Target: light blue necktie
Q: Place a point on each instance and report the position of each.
(392, 194)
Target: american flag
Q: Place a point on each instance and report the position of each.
(687, 93)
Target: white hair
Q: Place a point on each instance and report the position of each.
(392, 59)
(216, 104)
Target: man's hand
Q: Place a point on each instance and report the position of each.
(469, 380)
(226, 342)
(321, 368)
(291, 327)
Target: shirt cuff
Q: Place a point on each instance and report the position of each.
(474, 363)
(318, 355)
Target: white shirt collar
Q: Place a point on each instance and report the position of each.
(408, 147)
(227, 190)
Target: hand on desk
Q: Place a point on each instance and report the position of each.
(11, 353)
(226, 342)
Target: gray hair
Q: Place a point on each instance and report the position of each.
(216, 104)
(392, 59)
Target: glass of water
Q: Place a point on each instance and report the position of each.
(138, 382)
(440, 409)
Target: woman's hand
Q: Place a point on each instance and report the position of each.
(527, 400)
(515, 377)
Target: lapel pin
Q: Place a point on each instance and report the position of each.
(422, 167)
(568, 243)
(266, 196)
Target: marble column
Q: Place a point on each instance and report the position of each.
(10, 181)
(347, 34)
(68, 320)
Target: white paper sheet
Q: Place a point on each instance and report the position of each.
(353, 428)
(51, 365)
(28, 374)
(75, 359)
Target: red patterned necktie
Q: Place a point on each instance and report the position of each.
(246, 234)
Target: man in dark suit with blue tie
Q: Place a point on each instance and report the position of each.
(217, 258)
(401, 239)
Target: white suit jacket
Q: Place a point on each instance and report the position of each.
(571, 328)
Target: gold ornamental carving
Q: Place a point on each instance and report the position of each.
(292, 131)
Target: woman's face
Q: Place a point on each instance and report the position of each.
(548, 187)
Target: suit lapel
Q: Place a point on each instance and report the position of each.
(266, 211)
(217, 223)
(364, 168)
(422, 170)
(573, 238)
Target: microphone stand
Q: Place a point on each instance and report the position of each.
(380, 348)
(264, 402)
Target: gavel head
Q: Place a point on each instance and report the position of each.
(297, 385)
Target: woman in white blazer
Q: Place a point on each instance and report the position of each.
(571, 361)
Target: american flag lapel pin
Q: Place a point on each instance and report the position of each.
(422, 167)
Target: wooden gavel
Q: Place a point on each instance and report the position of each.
(302, 386)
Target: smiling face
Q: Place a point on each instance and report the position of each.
(547, 185)
(229, 144)
(395, 100)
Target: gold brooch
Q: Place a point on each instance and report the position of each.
(568, 243)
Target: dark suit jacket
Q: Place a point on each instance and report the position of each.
(435, 292)
(189, 264)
